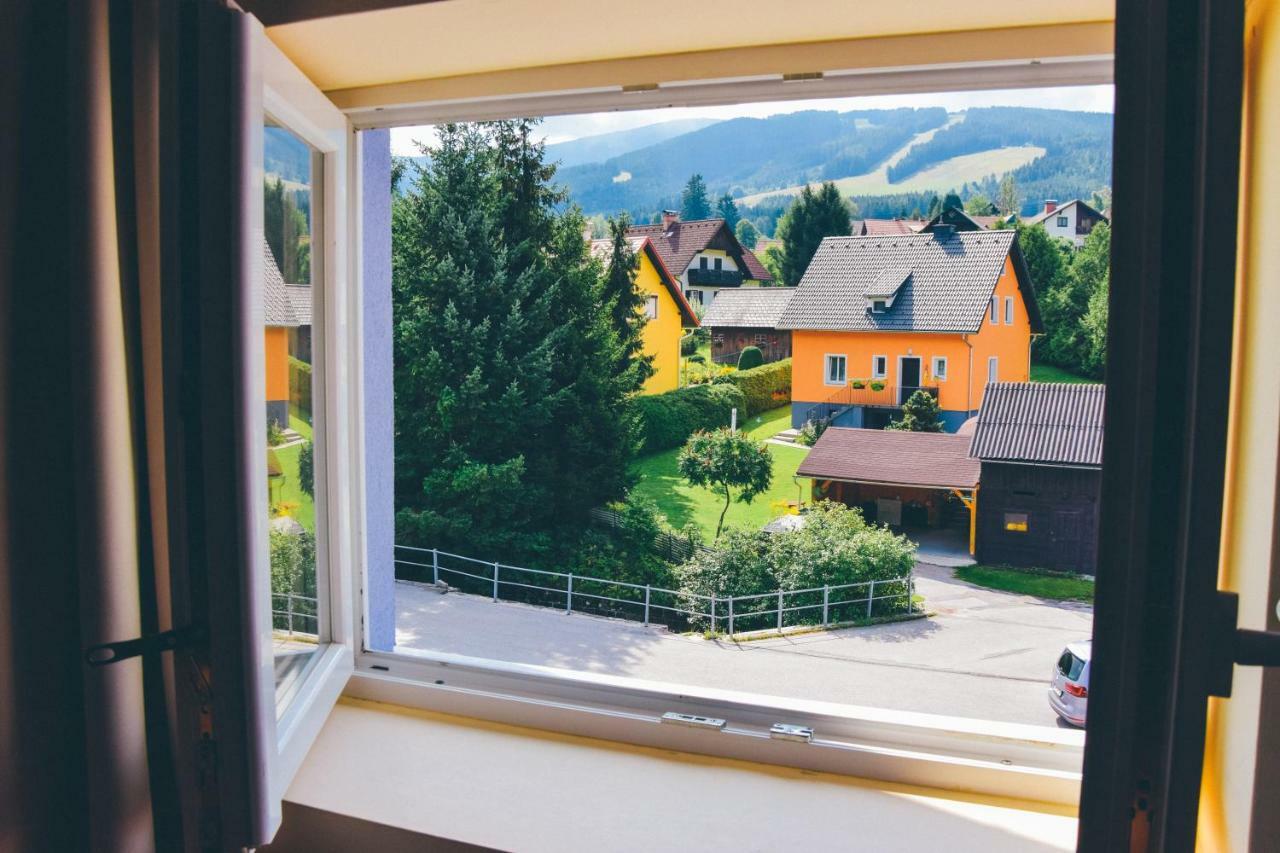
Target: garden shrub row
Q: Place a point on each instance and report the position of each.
(764, 387)
(667, 420)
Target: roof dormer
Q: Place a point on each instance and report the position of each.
(885, 288)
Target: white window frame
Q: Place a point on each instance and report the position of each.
(939, 368)
(978, 756)
(651, 306)
(881, 372)
(994, 310)
(1063, 222)
(827, 361)
(1008, 310)
(993, 369)
(293, 101)
(694, 296)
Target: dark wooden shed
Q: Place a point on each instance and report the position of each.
(1040, 446)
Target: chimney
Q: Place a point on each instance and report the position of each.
(1050, 205)
(942, 232)
(669, 218)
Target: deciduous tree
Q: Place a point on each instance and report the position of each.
(726, 462)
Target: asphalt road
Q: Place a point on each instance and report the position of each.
(985, 654)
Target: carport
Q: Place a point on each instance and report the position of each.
(908, 480)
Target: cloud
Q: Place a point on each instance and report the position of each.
(564, 128)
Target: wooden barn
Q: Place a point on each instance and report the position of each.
(1040, 448)
(748, 317)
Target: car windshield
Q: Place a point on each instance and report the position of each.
(1070, 666)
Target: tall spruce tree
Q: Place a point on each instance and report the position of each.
(509, 415)
(811, 217)
(727, 209)
(694, 202)
(625, 304)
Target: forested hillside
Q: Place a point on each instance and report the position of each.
(748, 155)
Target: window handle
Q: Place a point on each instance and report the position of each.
(1242, 646)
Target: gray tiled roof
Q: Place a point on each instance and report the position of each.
(950, 287)
(300, 301)
(931, 459)
(1040, 422)
(748, 307)
(275, 294)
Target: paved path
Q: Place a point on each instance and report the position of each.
(985, 654)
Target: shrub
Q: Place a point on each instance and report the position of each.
(307, 468)
(750, 357)
(835, 546)
(764, 387)
(919, 414)
(812, 431)
(688, 345)
(293, 559)
(275, 435)
(667, 420)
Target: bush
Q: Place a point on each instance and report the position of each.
(750, 357)
(812, 431)
(688, 345)
(307, 469)
(764, 387)
(293, 560)
(835, 546)
(667, 420)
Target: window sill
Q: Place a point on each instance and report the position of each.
(512, 788)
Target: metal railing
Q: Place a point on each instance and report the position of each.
(715, 278)
(291, 611)
(821, 606)
(871, 393)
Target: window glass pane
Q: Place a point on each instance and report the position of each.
(290, 288)
(1008, 310)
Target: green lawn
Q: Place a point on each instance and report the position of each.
(1049, 373)
(681, 503)
(1056, 587)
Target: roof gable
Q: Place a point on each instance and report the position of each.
(682, 241)
(278, 308)
(1041, 423)
(1085, 208)
(949, 286)
(640, 244)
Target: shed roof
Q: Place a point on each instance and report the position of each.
(952, 277)
(748, 307)
(926, 459)
(1041, 423)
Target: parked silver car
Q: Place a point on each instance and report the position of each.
(1069, 690)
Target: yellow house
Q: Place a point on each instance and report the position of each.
(667, 311)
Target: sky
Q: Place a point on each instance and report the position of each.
(565, 128)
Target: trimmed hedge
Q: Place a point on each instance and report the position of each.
(765, 387)
(750, 358)
(667, 420)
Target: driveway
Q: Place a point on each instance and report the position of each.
(985, 653)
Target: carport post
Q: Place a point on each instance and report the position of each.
(826, 597)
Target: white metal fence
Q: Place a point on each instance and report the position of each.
(295, 614)
(816, 606)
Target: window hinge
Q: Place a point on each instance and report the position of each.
(1232, 645)
(693, 720)
(787, 731)
(105, 653)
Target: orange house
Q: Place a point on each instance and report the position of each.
(279, 316)
(877, 318)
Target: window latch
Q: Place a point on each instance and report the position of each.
(1243, 646)
(107, 653)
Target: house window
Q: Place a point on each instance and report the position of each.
(1062, 222)
(1008, 310)
(651, 307)
(836, 369)
(940, 367)
(717, 339)
(762, 340)
(993, 369)
(702, 263)
(719, 264)
(878, 305)
(995, 310)
(1015, 521)
(694, 296)
(879, 366)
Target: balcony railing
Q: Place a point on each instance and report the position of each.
(870, 394)
(715, 278)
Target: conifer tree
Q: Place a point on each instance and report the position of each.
(727, 209)
(919, 414)
(625, 303)
(694, 202)
(813, 216)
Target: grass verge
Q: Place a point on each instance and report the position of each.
(1049, 373)
(1041, 584)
